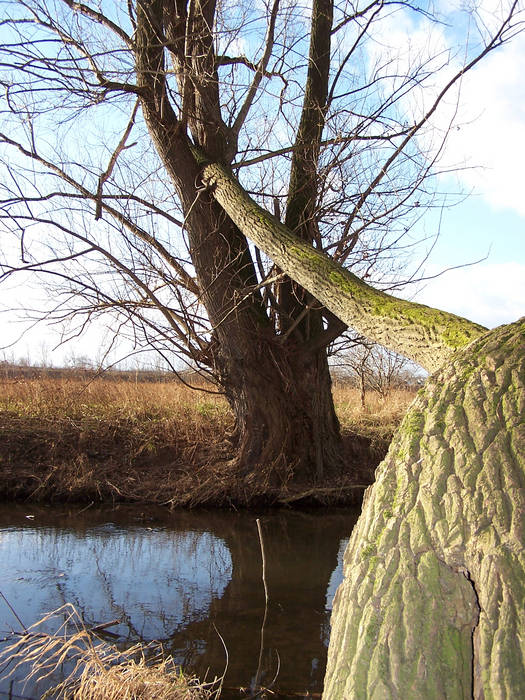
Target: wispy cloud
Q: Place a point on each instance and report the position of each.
(486, 121)
(490, 140)
(490, 293)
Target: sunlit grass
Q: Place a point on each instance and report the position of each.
(76, 438)
(78, 397)
(97, 670)
(113, 400)
(380, 414)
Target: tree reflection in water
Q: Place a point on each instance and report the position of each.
(182, 577)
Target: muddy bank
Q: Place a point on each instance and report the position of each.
(100, 461)
(91, 440)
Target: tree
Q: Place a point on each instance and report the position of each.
(432, 601)
(111, 113)
(371, 366)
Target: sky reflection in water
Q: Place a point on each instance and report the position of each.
(176, 577)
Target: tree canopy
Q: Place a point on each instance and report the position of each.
(117, 116)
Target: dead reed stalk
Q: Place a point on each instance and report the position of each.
(98, 670)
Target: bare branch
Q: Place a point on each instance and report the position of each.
(118, 150)
(183, 277)
(259, 74)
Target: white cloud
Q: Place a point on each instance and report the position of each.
(490, 293)
(492, 143)
(486, 141)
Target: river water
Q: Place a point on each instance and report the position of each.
(183, 578)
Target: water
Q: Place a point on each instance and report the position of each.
(182, 578)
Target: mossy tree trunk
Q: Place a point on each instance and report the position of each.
(433, 600)
(428, 336)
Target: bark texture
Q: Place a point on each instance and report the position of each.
(279, 391)
(428, 336)
(433, 600)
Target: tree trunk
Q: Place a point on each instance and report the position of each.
(432, 605)
(279, 392)
(281, 426)
(362, 390)
(426, 335)
(286, 424)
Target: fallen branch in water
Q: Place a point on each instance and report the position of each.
(320, 492)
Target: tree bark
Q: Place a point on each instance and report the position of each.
(432, 604)
(428, 336)
(286, 425)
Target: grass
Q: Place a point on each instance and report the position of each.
(380, 417)
(97, 670)
(77, 438)
(99, 399)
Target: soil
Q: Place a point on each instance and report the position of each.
(63, 460)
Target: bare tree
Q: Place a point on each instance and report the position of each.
(374, 368)
(111, 112)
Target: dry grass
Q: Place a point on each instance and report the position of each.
(72, 438)
(98, 670)
(380, 417)
(76, 398)
(112, 400)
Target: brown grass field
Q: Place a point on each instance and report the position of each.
(73, 437)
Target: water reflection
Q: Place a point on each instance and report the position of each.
(182, 577)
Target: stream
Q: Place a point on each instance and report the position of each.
(189, 579)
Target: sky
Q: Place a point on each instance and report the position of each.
(490, 224)
(482, 238)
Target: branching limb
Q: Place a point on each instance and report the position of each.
(112, 162)
(183, 277)
(259, 74)
(426, 335)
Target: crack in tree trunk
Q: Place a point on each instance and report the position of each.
(477, 691)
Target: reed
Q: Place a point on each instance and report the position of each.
(380, 415)
(86, 439)
(98, 670)
(77, 398)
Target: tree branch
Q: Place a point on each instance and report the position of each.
(259, 74)
(424, 334)
(112, 161)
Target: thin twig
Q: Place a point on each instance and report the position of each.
(266, 601)
(14, 612)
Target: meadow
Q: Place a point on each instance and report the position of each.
(74, 436)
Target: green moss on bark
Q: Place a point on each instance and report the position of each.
(444, 570)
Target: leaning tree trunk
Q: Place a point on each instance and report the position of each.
(433, 601)
(426, 335)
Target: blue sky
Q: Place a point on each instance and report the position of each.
(492, 291)
(488, 143)
(489, 225)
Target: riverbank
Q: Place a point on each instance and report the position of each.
(92, 440)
